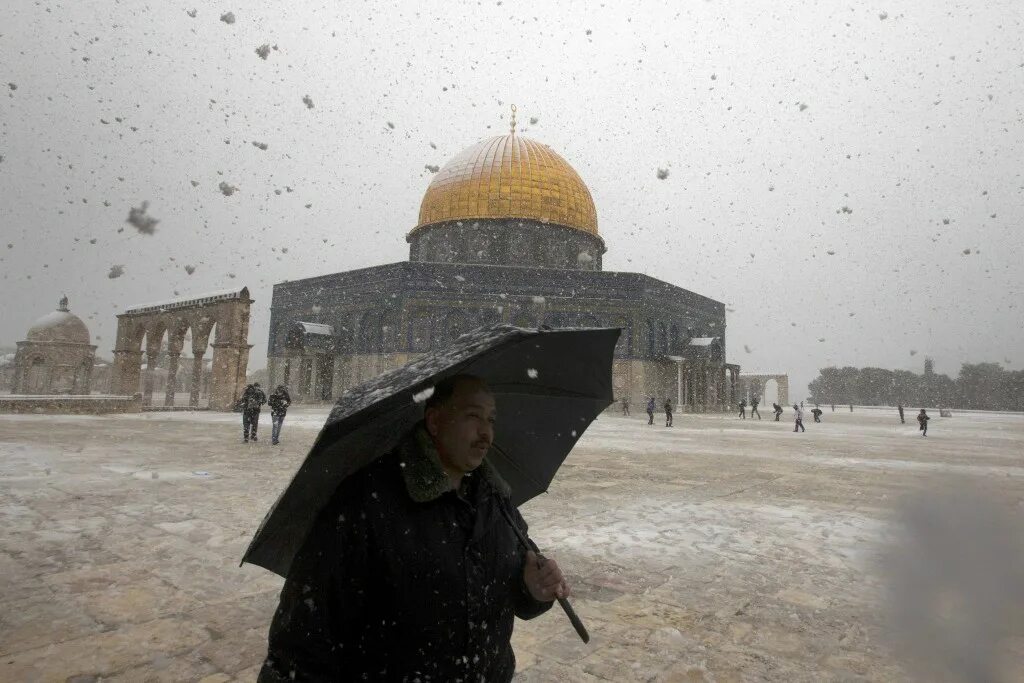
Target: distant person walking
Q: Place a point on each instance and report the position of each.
(778, 411)
(833, 407)
(753, 410)
(743, 409)
(668, 412)
(278, 402)
(851, 407)
(625, 406)
(922, 421)
(817, 414)
(899, 407)
(799, 426)
(650, 411)
(253, 399)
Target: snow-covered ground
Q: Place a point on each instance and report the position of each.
(718, 549)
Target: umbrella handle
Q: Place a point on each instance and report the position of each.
(574, 619)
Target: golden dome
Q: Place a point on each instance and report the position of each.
(509, 177)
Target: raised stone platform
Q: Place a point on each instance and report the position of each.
(97, 404)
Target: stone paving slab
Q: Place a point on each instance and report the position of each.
(712, 551)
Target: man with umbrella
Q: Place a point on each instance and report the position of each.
(404, 553)
(413, 569)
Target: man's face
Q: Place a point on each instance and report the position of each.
(463, 427)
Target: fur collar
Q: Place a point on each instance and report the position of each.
(425, 479)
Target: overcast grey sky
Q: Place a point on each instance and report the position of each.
(770, 117)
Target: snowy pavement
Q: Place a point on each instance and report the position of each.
(717, 550)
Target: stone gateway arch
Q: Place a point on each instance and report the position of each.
(224, 314)
(752, 387)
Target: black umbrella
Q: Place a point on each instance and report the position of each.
(548, 385)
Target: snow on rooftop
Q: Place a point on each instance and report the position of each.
(703, 341)
(223, 295)
(317, 328)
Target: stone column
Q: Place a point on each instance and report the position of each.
(147, 387)
(229, 363)
(314, 378)
(196, 380)
(172, 378)
(127, 367)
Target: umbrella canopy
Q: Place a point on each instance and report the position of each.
(548, 386)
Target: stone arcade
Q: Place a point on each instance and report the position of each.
(507, 232)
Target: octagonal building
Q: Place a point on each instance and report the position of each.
(507, 232)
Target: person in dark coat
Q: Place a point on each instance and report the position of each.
(899, 407)
(778, 411)
(252, 400)
(753, 410)
(743, 409)
(816, 412)
(668, 412)
(278, 402)
(413, 571)
(922, 422)
(650, 411)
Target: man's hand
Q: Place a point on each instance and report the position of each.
(544, 579)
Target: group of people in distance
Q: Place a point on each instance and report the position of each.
(798, 409)
(250, 403)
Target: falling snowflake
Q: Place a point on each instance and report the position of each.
(260, 145)
(747, 348)
(830, 252)
(12, 86)
(391, 125)
(192, 13)
(116, 271)
(263, 51)
(228, 17)
(967, 251)
(195, 183)
(883, 16)
(308, 101)
(662, 173)
(531, 373)
(190, 269)
(432, 168)
(143, 223)
(421, 396)
(534, 120)
(226, 189)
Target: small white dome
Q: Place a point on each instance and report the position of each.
(59, 326)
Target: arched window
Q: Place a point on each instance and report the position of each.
(37, 379)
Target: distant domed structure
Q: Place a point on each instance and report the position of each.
(56, 356)
(506, 233)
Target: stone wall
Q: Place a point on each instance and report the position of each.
(71, 404)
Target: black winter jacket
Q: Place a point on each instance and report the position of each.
(402, 579)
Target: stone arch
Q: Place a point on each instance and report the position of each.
(141, 332)
(37, 375)
(752, 386)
